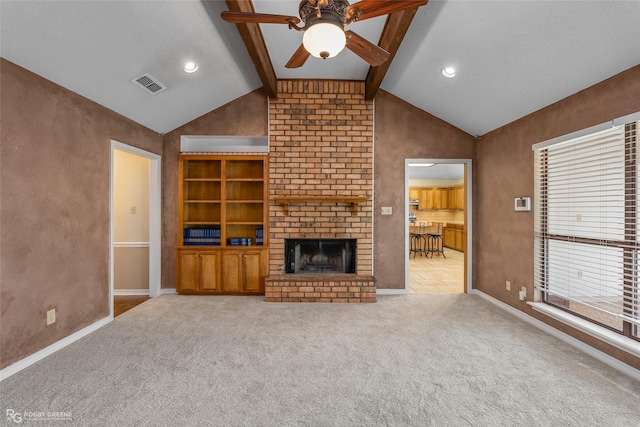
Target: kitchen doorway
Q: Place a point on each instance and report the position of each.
(438, 226)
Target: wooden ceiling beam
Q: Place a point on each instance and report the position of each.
(257, 48)
(392, 35)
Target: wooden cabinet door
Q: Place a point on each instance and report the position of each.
(187, 272)
(437, 198)
(458, 237)
(444, 198)
(210, 272)
(232, 272)
(446, 237)
(426, 199)
(253, 276)
(451, 198)
(414, 193)
(460, 198)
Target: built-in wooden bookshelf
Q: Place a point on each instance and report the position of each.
(222, 201)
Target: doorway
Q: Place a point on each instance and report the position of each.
(135, 224)
(438, 225)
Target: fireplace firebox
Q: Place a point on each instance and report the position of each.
(326, 256)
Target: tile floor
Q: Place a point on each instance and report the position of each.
(437, 275)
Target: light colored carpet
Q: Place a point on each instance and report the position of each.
(420, 360)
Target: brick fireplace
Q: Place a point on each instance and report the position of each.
(320, 186)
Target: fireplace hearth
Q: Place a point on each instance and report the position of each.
(320, 256)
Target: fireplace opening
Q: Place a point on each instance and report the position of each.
(324, 256)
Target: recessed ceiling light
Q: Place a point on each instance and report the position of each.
(449, 72)
(190, 67)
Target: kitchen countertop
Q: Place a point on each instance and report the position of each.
(427, 229)
(435, 224)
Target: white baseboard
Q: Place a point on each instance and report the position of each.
(593, 352)
(391, 291)
(130, 292)
(58, 345)
(168, 291)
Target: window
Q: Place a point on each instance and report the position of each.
(587, 226)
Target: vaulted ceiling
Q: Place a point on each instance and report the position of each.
(512, 58)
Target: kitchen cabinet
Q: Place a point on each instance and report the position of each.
(459, 198)
(453, 237)
(438, 198)
(448, 237)
(414, 193)
(426, 199)
(451, 198)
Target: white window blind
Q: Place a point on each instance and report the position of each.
(587, 225)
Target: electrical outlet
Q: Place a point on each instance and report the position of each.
(51, 316)
(386, 210)
(508, 285)
(133, 210)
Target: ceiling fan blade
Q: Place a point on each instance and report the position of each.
(373, 8)
(257, 18)
(299, 58)
(374, 55)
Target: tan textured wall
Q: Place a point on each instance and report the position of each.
(130, 189)
(248, 116)
(54, 217)
(401, 132)
(131, 268)
(504, 248)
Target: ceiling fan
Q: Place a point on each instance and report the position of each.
(324, 21)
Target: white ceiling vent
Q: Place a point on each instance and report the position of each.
(148, 83)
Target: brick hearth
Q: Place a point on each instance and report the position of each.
(321, 145)
(320, 288)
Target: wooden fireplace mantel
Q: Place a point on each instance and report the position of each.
(350, 200)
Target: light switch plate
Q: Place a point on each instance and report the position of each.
(386, 210)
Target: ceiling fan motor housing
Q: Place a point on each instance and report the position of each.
(334, 11)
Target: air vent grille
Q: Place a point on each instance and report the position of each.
(148, 83)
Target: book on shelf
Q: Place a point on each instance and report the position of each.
(239, 241)
(201, 236)
(260, 236)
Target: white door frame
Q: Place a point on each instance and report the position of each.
(468, 217)
(155, 221)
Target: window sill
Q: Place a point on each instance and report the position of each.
(623, 343)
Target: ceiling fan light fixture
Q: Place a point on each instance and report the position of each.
(324, 40)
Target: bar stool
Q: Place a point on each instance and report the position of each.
(434, 242)
(418, 241)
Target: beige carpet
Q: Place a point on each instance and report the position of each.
(419, 360)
